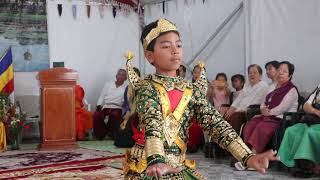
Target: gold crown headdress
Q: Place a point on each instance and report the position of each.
(163, 25)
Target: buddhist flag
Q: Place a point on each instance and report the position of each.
(6, 72)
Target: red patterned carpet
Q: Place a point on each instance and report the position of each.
(96, 168)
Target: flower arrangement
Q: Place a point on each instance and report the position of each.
(13, 119)
(16, 123)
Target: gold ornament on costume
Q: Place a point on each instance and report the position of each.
(163, 25)
(240, 150)
(133, 77)
(200, 64)
(172, 122)
(129, 56)
(202, 83)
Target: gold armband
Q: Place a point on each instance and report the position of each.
(240, 150)
(154, 146)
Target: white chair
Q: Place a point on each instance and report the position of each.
(31, 105)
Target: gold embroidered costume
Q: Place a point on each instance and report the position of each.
(166, 132)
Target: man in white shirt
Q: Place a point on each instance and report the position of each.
(253, 93)
(109, 106)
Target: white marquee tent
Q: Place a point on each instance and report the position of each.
(227, 34)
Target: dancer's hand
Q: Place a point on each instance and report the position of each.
(260, 162)
(159, 169)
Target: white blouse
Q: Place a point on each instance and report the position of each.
(251, 95)
(289, 103)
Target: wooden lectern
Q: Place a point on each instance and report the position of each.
(57, 114)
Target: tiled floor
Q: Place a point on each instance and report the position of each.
(212, 169)
(219, 169)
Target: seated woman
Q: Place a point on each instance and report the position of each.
(301, 141)
(260, 129)
(218, 92)
(253, 93)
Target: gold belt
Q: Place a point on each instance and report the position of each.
(174, 160)
(136, 160)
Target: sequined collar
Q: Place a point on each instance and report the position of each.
(170, 83)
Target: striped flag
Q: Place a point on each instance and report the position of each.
(6, 72)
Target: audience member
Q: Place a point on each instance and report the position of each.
(124, 136)
(271, 71)
(218, 92)
(196, 72)
(182, 71)
(84, 118)
(238, 82)
(300, 147)
(259, 130)
(253, 93)
(109, 107)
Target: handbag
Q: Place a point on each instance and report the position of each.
(311, 119)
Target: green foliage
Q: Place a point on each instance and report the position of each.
(4, 104)
(11, 115)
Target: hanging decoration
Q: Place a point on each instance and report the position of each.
(139, 9)
(125, 6)
(114, 11)
(126, 11)
(128, 2)
(101, 5)
(88, 10)
(74, 11)
(59, 9)
(163, 7)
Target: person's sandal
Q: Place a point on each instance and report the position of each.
(240, 167)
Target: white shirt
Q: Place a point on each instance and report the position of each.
(112, 96)
(251, 95)
(289, 103)
(272, 86)
(237, 93)
(312, 96)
